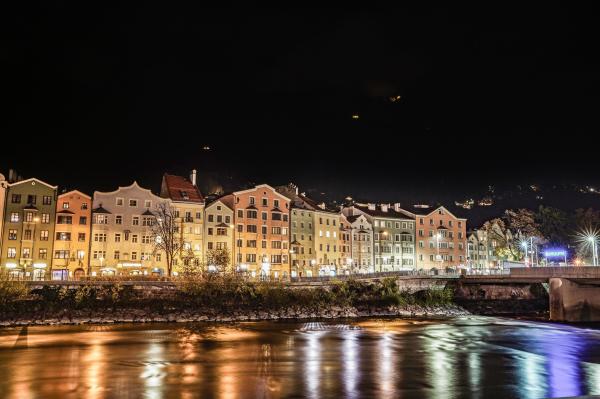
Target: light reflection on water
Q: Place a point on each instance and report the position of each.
(463, 357)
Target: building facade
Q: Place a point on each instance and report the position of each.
(481, 250)
(393, 235)
(363, 260)
(188, 207)
(3, 190)
(441, 238)
(121, 238)
(262, 220)
(345, 245)
(70, 259)
(28, 231)
(219, 231)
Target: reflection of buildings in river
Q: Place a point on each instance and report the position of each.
(563, 352)
(227, 384)
(440, 364)
(350, 363)
(154, 374)
(94, 373)
(312, 363)
(386, 366)
(592, 378)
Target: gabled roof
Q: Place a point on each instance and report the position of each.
(180, 189)
(436, 209)
(226, 200)
(35, 180)
(100, 210)
(74, 192)
(391, 212)
(256, 188)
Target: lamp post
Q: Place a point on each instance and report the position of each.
(524, 246)
(592, 240)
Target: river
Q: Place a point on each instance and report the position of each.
(381, 358)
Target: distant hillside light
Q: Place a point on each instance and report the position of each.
(355, 116)
(206, 148)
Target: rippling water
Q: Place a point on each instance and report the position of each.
(462, 357)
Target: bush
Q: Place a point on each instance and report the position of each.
(11, 291)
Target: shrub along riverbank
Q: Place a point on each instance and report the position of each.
(221, 298)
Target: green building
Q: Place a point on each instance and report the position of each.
(28, 229)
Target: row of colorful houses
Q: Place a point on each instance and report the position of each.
(267, 232)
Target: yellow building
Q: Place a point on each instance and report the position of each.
(70, 257)
(188, 205)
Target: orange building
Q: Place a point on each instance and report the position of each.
(441, 239)
(262, 228)
(70, 258)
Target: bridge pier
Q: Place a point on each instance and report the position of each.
(573, 301)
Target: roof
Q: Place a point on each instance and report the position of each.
(226, 200)
(301, 201)
(432, 210)
(66, 211)
(390, 213)
(180, 189)
(100, 210)
(74, 192)
(33, 179)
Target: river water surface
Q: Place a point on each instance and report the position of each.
(388, 358)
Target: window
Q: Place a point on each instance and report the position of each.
(62, 236)
(83, 220)
(61, 254)
(276, 203)
(12, 234)
(29, 216)
(146, 240)
(276, 244)
(276, 230)
(251, 243)
(264, 216)
(44, 234)
(133, 202)
(134, 238)
(16, 198)
(275, 216)
(119, 201)
(135, 221)
(250, 258)
(119, 219)
(240, 228)
(134, 255)
(99, 255)
(31, 199)
(84, 206)
(252, 201)
(81, 237)
(158, 257)
(46, 200)
(265, 202)
(240, 214)
(43, 253)
(251, 228)
(221, 231)
(62, 219)
(26, 253)
(275, 259)
(12, 253)
(80, 254)
(251, 214)
(210, 231)
(117, 237)
(101, 219)
(147, 204)
(100, 237)
(14, 217)
(117, 255)
(65, 205)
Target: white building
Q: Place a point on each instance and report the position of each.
(121, 240)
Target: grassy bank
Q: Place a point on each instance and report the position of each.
(216, 296)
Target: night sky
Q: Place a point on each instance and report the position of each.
(98, 97)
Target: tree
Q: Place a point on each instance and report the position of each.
(166, 235)
(219, 258)
(555, 225)
(506, 246)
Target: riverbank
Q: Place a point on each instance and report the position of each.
(136, 315)
(227, 299)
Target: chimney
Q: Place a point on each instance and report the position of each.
(384, 207)
(371, 207)
(397, 207)
(322, 205)
(193, 177)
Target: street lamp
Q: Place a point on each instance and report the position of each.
(524, 246)
(592, 239)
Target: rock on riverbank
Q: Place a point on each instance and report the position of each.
(110, 316)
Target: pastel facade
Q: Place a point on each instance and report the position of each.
(219, 229)
(70, 257)
(345, 245)
(441, 239)
(327, 252)
(393, 235)
(481, 250)
(187, 203)
(121, 240)
(3, 190)
(262, 220)
(363, 257)
(28, 231)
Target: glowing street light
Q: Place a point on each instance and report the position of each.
(593, 240)
(525, 247)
